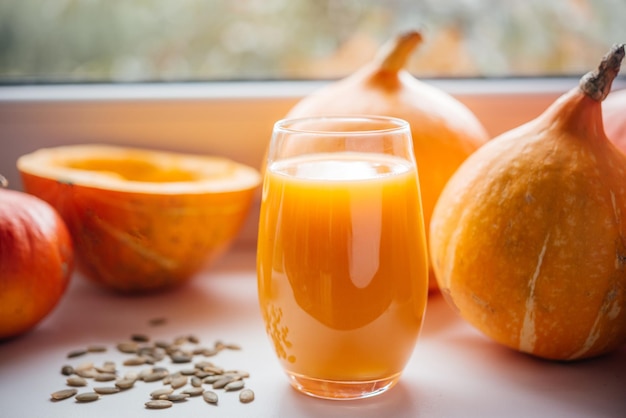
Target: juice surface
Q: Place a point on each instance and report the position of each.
(342, 264)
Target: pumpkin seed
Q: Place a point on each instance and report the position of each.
(140, 338)
(239, 373)
(158, 404)
(67, 370)
(86, 373)
(128, 347)
(211, 379)
(107, 367)
(194, 391)
(59, 395)
(77, 353)
(180, 357)
(221, 383)
(87, 397)
(208, 352)
(234, 386)
(232, 346)
(155, 375)
(76, 381)
(178, 382)
(135, 361)
(125, 383)
(156, 394)
(106, 390)
(177, 397)
(84, 366)
(162, 344)
(96, 349)
(104, 377)
(196, 382)
(210, 397)
(246, 396)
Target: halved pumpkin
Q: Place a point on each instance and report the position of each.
(142, 220)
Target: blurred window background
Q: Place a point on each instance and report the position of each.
(204, 40)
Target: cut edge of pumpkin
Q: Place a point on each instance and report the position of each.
(137, 170)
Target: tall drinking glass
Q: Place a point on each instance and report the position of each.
(341, 262)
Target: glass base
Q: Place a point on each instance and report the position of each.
(346, 390)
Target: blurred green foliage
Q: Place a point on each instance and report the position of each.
(161, 40)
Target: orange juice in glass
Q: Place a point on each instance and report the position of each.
(341, 260)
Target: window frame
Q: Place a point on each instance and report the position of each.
(230, 119)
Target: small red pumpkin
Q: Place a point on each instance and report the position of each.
(36, 261)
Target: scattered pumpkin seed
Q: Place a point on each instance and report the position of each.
(235, 385)
(246, 396)
(135, 361)
(158, 404)
(76, 381)
(194, 391)
(128, 347)
(178, 382)
(203, 372)
(107, 367)
(125, 383)
(211, 397)
(67, 370)
(221, 383)
(77, 353)
(106, 390)
(104, 377)
(180, 357)
(156, 394)
(232, 346)
(155, 376)
(86, 373)
(211, 379)
(87, 397)
(177, 397)
(59, 395)
(140, 338)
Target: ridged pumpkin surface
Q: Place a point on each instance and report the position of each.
(142, 220)
(528, 239)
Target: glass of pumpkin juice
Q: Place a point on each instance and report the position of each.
(341, 257)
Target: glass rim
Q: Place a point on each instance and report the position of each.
(395, 124)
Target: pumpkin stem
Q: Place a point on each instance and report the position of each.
(394, 55)
(4, 183)
(597, 84)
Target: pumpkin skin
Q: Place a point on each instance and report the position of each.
(444, 131)
(142, 220)
(528, 238)
(36, 261)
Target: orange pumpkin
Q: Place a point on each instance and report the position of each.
(142, 220)
(36, 261)
(528, 238)
(444, 131)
